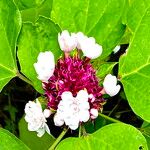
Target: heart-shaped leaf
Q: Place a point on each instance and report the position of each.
(116, 136)
(134, 65)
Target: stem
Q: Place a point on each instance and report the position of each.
(109, 118)
(80, 130)
(24, 78)
(58, 139)
(114, 109)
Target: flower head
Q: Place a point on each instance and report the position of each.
(35, 118)
(110, 85)
(45, 65)
(73, 89)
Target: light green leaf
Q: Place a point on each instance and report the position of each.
(33, 14)
(103, 69)
(146, 132)
(33, 39)
(116, 136)
(98, 18)
(25, 4)
(135, 12)
(31, 139)
(9, 142)
(134, 66)
(10, 24)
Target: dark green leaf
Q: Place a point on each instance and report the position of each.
(31, 139)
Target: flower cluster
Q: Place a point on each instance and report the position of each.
(72, 110)
(71, 86)
(36, 118)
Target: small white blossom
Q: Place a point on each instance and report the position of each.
(94, 113)
(110, 85)
(35, 118)
(45, 65)
(72, 110)
(116, 49)
(66, 41)
(89, 46)
(47, 113)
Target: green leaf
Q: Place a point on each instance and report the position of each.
(146, 132)
(9, 142)
(10, 24)
(103, 69)
(98, 18)
(134, 66)
(116, 136)
(31, 139)
(33, 39)
(33, 14)
(25, 4)
(135, 12)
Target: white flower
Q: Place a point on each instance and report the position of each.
(116, 49)
(35, 118)
(45, 65)
(110, 85)
(66, 42)
(72, 110)
(94, 113)
(88, 45)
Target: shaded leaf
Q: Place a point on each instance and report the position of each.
(25, 4)
(32, 140)
(33, 39)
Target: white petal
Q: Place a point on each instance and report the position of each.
(94, 113)
(84, 116)
(66, 42)
(110, 85)
(114, 91)
(91, 49)
(74, 127)
(47, 128)
(82, 95)
(84, 106)
(116, 49)
(67, 96)
(47, 113)
(40, 132)
(58, 120)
